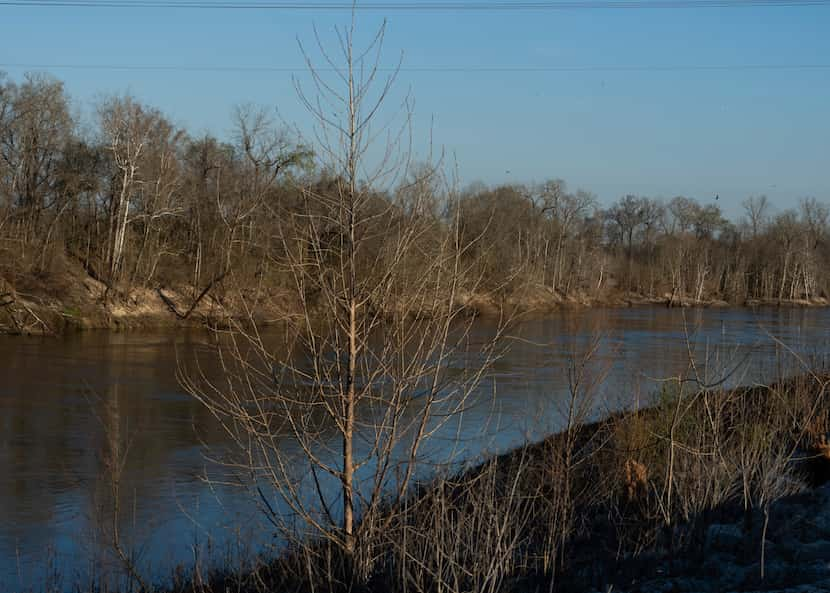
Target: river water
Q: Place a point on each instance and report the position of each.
(61, 399)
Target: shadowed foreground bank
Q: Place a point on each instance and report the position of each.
(704, 490)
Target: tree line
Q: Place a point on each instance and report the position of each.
(138, 202)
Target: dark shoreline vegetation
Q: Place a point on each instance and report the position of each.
(123, 219)
(676, 496)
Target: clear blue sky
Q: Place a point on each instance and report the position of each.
(659, 133)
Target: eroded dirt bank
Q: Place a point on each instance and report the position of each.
(78, 301)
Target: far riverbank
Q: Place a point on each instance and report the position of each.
(80, 302)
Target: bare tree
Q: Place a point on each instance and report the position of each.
(814, 217)
(632, 215)
(564, 210)
(365, 379)
(126, 128)
(757, 210)
(34, 127)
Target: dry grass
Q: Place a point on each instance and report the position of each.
(527, 520)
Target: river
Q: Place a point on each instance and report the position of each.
(57, 395)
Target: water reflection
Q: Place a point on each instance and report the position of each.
(59, 398)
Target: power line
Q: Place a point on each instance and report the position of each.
(428, 5)
(429, 68)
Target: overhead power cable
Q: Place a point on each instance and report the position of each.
(428, 5)
(429, 68)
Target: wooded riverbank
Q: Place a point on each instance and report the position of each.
(130, 205)
(80, 302)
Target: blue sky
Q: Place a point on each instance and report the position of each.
(656, 132)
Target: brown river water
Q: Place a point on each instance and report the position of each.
(57, 395)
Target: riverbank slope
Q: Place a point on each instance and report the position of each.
(702, 491)
(77, 301)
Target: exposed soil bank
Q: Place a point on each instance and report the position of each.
(80, 302)
(77, 301)
(542, 299)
